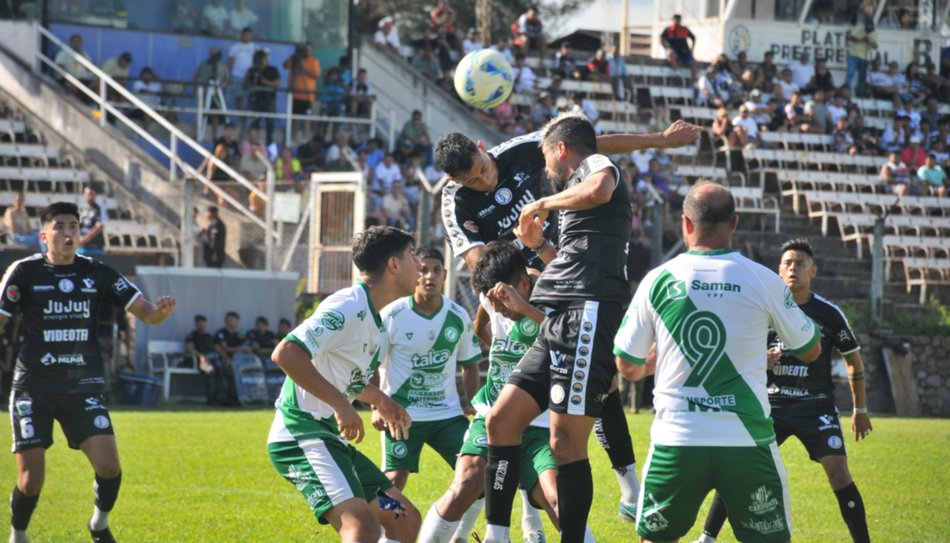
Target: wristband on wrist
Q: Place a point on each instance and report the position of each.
(860, 410)
(539, 247)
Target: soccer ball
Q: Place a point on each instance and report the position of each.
(484, 79)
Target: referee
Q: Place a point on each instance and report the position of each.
(59, 370)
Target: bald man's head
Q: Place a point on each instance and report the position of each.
(709, 205)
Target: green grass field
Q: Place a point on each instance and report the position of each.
(203, 475)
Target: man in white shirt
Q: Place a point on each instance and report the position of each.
(472, 42)
(387, 173)
(524, 76)
(215, 19)
(785, 87)
(836, 109)
(69, 62)
(757, 110)
(746, 127)
(242, 17)
(240, 59)
(802, 70)
(387, 37)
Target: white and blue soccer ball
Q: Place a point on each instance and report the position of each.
(484, 79)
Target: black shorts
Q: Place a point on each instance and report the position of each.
(81, 416)
(814, 423)
(302, 107)
(570, 367)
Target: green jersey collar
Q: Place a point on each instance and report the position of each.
(369, 301)
(711, 253)
(412, 306)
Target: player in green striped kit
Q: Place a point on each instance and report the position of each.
(428, 337)
(501, 277)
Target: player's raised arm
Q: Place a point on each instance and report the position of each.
(677, 134)
(153, 312)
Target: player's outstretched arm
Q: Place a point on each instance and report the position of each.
(860, 421)
(153, 313)
(677, 134)
(295, 362)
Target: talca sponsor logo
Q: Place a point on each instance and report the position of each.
(430, 359)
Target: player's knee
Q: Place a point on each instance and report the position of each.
(565, 449)
(31, 482)
(838, 475)
(496, 427)
(359, 526)
(398, 478)
(467, 489)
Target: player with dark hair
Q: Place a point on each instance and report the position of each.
(329, 360)
(429, 337)
(59, 370)
(707, 313)
(504, 285)
(489, 188)
(802, 395)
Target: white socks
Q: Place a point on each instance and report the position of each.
(629, 484)
(100, 520)
(530, 517)
(704, 538)
(436, 529)
(467, 524)
(588, 535)
(496, 534)
(18, 536)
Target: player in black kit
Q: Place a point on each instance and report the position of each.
(59, 371)
(483, 203)
(802, 395)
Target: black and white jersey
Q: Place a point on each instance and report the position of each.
(591, 262)
(60, 305)
(473, 218)
(793, 379)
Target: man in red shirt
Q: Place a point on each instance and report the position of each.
(678, 51)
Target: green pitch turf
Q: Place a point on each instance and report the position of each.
(203, 475)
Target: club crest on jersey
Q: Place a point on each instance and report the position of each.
(528, 327)
(101, 422)
(452, 334)
(66, 286)
(400, 449)
(557, 394)
(835, 442)
(676, 290)
(503, 196)
(333, 320)
(13, 293)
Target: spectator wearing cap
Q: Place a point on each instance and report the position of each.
(472, 42)
(758, 111)
(802, 70)
(914, 155)
(676, 39)
(386, 36)
(525, 79)
(118, 67)
(242, 17)
(240, 60)
(933, 175)
(530, 32)
(766, 73)
(862, 39)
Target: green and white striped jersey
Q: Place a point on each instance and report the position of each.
(510, 341)
(709, 314)
(342, 338)
(421, 357)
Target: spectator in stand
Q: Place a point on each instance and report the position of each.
(758, 111)
(447, 82)
(284, 328)
(938, 85)
(214, 173)
(303, 71)
(895, 176)
(240, 60)
(933, 175)
(387, 37)
(925, 134)
(679, 52)
(340, 148)
(843, 140)
(212, 76)
(543, 110)
(262, 81)
(360, 98)
(92, 220)
(778, 121)
(253, 164)
(374, 154)
(255, 203)
(185, 17)
(655, 177)
(502, 47)
(892, 140)
(416, 131)
(564, 64)
(261, 339)
(118, 67)
(939, 150)
(387, 173)
(798, 119)
(524, 76)
(234, 149)
(883, 84)
(931, 113)
(212, 238)
(598, 67)
(744, 71)
(18, 224)
(531, 33)
(396, 208)
(149, 90)
(817, 109)
(707, 91)
(242, 17)
(822, 79)
(580, 104)
(766, 73)
(909, 112)
(219, 378)
(914, 155)
(620, 79)
(402, 152)
(334, 94)
(802, 70)
(73, 67)
(784, 88)
(252, 141)
(917, 88)
(426, 64)
(745, 128)
(310, 155)
(837, 109)
(555, 88)
(722, 128)
(442, 24)
(472, 42)
(287, 170)
(215, 19)
(862, 39)
(229, 341)
(411, 172)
